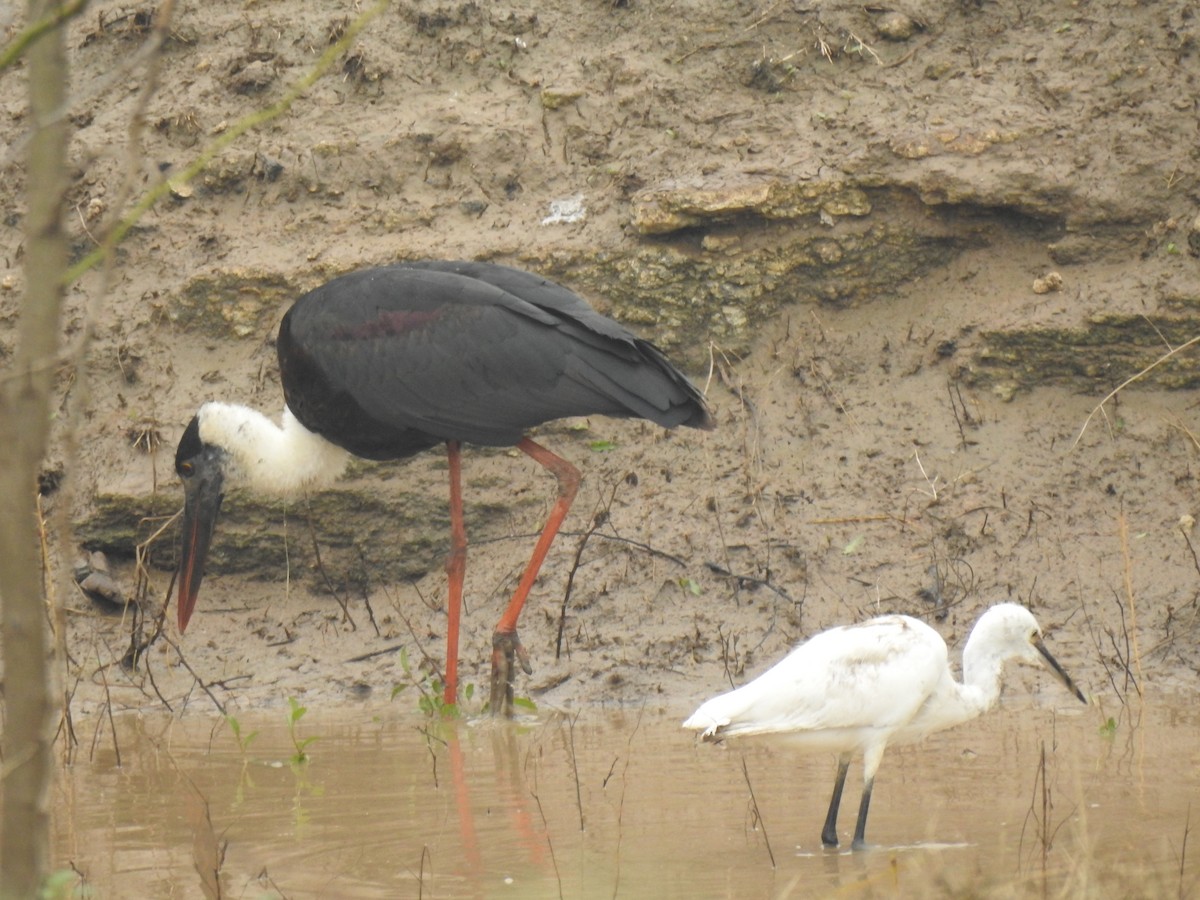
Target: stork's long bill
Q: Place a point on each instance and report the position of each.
(388, 362)
(203, 479)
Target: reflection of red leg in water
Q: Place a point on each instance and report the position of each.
(532, 836)
(511, 794)
(466, 816)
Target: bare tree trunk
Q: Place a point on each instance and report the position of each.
(25, 395)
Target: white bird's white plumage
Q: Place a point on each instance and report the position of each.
(888, 675)
(271, 458)
(827, 691)
(857, 688)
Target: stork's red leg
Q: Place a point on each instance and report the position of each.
(506, 646)
(456, 567)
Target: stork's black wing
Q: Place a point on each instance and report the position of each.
(389, 361)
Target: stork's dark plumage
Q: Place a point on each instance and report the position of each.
(387, 362)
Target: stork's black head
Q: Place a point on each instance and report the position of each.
(201, 466)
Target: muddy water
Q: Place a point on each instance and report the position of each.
(625, 804)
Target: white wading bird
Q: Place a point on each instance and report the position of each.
(858, 688)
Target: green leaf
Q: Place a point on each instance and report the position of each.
(296, 711)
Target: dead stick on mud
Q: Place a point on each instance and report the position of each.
(1191, 549)
(599, 517)
(312, 531)
(850, 520)
(204, 687)
(425, 657)
(1122, 654)
(598, 535)
(742, 580)
(1099, 407)
(1094, 631)
(138, 642)
(363, 657)
(366, 594)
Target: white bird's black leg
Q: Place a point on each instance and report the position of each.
(860, 828)
(819, 691)
(829, 832)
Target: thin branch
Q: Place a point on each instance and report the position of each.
(1128, 381)
(757, 814)
(23, 41)
(235, 131)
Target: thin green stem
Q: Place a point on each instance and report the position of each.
(218, 144)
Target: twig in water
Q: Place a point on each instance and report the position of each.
(111, 724)
(430, 740)
(1126, 559)
(208, 851)
(1187, 826)
(758, 819)
(533, 791)
(575, 767)
(1039, 785)
(621, 805)
(421, 873)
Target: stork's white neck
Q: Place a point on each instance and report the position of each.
(266, 457)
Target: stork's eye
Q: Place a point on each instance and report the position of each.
(187, 469)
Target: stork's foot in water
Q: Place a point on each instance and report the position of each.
(507, 650)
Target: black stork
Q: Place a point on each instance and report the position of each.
(386, 362)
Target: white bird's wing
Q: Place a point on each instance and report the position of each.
(876, 675)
